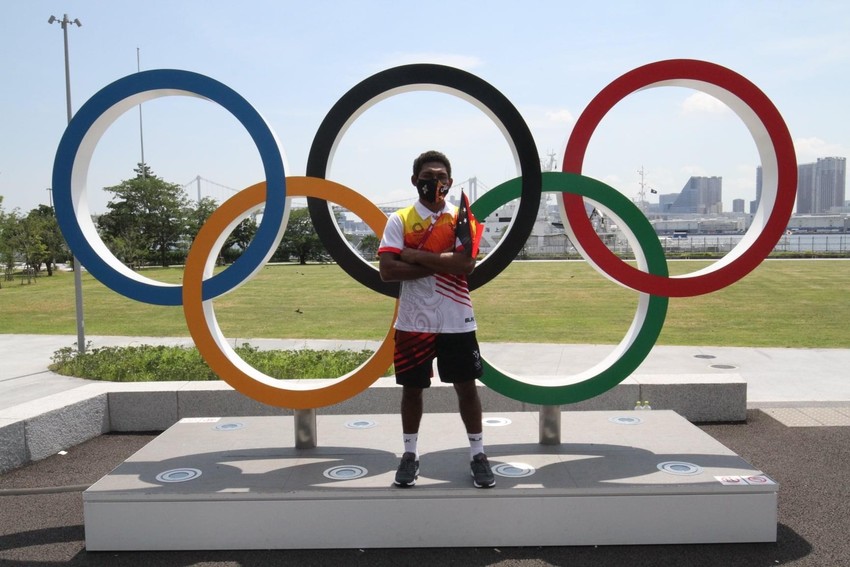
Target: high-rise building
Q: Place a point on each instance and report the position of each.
(737, 205)
(754, 205)
(700, 195)
(821, 185)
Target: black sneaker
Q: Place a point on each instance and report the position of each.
(482, 476)
(408, 471)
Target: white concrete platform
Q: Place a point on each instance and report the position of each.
(603, 485)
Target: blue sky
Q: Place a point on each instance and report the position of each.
(294, 60)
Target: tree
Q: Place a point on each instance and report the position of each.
(200, 213)
(239, 239)
(45, 228)
(8, 223)
(147, 220)
(236, 241)
(300, 239)
(368, 246)
(33, 239)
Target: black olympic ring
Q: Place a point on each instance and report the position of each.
(466, 86)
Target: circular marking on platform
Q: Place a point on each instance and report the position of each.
(178, 475)
(229, 426)
(625, 420)
(679, 468)
(496, 421)
(723, 366)
(704, 356)
(513, 470)
(345, 472)
(361, 424)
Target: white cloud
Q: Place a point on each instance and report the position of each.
(693, 171)
(703, 103)
(547, 118)
(810, 149)
(460, 61)
(562, 116)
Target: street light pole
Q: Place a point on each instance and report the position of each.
(141, 132)
(78, 277)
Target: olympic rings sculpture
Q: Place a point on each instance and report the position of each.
(650, 278)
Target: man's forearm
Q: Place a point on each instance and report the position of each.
(445, 262)
(394, 269)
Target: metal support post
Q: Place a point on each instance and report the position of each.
(550, 425)
(305, 428)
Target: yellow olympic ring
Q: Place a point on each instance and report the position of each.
(203, 326)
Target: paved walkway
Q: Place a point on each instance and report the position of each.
(775, 377)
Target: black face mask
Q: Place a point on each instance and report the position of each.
(428, 189)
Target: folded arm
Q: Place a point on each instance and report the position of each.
(412, 264)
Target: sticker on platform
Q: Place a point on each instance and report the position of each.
(730, 480)
(200, 420)
(758, 479)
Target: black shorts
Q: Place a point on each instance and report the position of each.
(457, 354)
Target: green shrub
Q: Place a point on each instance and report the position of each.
(148, 363)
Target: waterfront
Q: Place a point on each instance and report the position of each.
(559, 246)
(789, 243)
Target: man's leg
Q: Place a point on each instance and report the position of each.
(469, 405)
(470, 412)
(411, 416)
(411, 409)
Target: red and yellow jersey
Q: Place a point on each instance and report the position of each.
(433, 304)
(434, 232)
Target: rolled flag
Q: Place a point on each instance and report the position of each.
(467, 229)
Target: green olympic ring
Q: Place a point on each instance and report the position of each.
(649, 317)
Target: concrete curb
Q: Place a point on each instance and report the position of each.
(38, 429)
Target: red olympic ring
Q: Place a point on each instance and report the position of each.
(779, 165)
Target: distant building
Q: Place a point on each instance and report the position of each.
(700, 195)
(821, 185)
(665, 201)
(738, 206)
(754, 205)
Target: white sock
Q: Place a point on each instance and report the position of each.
(476, 443)
(410, 442)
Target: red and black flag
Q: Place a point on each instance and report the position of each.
(467, 229)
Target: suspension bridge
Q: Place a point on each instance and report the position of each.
(200, 187)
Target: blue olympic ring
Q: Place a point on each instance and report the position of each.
(74, 154)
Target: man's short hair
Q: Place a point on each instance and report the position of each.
(431, 155)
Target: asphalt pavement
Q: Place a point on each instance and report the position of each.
(40, 525)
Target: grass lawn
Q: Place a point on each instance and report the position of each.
(783, 303)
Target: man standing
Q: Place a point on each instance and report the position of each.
(420, 248)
